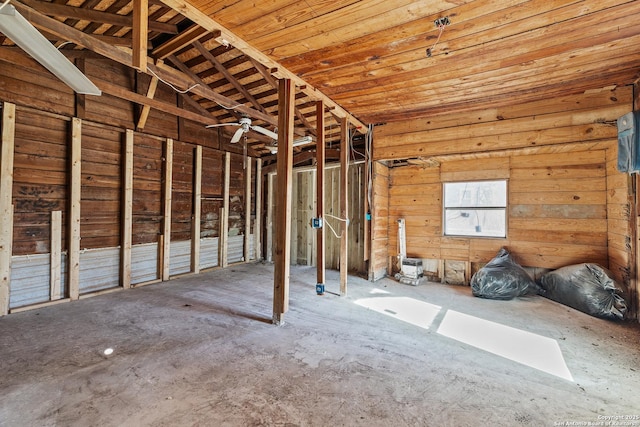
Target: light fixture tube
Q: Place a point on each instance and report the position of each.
(25, 35)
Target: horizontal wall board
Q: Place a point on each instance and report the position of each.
(209, 252)
(180, 257)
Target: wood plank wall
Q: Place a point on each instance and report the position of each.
(378, 265)
(567, 203)
(42, 168)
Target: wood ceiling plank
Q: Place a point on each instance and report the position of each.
(506, 43)
(586, 60)
(470, 23)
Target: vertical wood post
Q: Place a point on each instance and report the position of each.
(140, 37)
(55, 259)
(270, 209)
(6, 206)
(257, 232)
(344, 205)
(197, 211)
(166, 228)
(224, 234)
(247, 209)
(74, 211)
(286, 100)
(127, 211)
(320, 160)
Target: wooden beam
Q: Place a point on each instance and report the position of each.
(270, 213)
(257, 232)
(124, 57)
(320, 160)
(185, 38)
(224, 235)
(127, 211)
(247, 209)
(228, 37)
(84, 14)
(197, 211)
(146, 108)
(120, 92)
(344, 205)
(282, 255)
(75, 186)
(6, 206)
(227, 75)
(140, 34)
(55, 258)
(167, 196)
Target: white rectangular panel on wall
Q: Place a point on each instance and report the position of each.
(99, 269)
(180, 261)
(144, 263)
(209, 252)
(236, 249)
(30, 280)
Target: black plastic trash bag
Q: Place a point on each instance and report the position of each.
(502, 278)
(589, 288)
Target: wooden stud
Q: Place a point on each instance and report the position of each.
(320, 161)
(247, 209)
(140, 34)
(270, 208)
(344, 204)
(224, 235)
(257, 231)
(74, 211)
(127, 211)
(6, 207)
(282, 249)
(166, 230)
(55, 255)
(146, 108)
(197, 211)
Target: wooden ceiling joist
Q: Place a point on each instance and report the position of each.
(227, 37)
(163, 72)
(84, 14)
(185, 38)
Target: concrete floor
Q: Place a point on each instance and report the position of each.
(201, 351)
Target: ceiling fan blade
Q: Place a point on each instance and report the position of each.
(264, 131)
(222, 124)
(237, 135)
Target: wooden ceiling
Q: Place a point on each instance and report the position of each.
(371, 61)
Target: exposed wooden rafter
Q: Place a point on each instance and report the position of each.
(227, 37)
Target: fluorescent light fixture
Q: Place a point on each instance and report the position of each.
(25, 35)
(296, 142)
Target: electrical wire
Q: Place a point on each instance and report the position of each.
(430, 50)
(172, 86)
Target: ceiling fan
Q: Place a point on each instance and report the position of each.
(245, 126)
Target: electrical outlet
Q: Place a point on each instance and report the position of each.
(442, 22)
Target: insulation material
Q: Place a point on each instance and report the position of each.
(144, 263)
